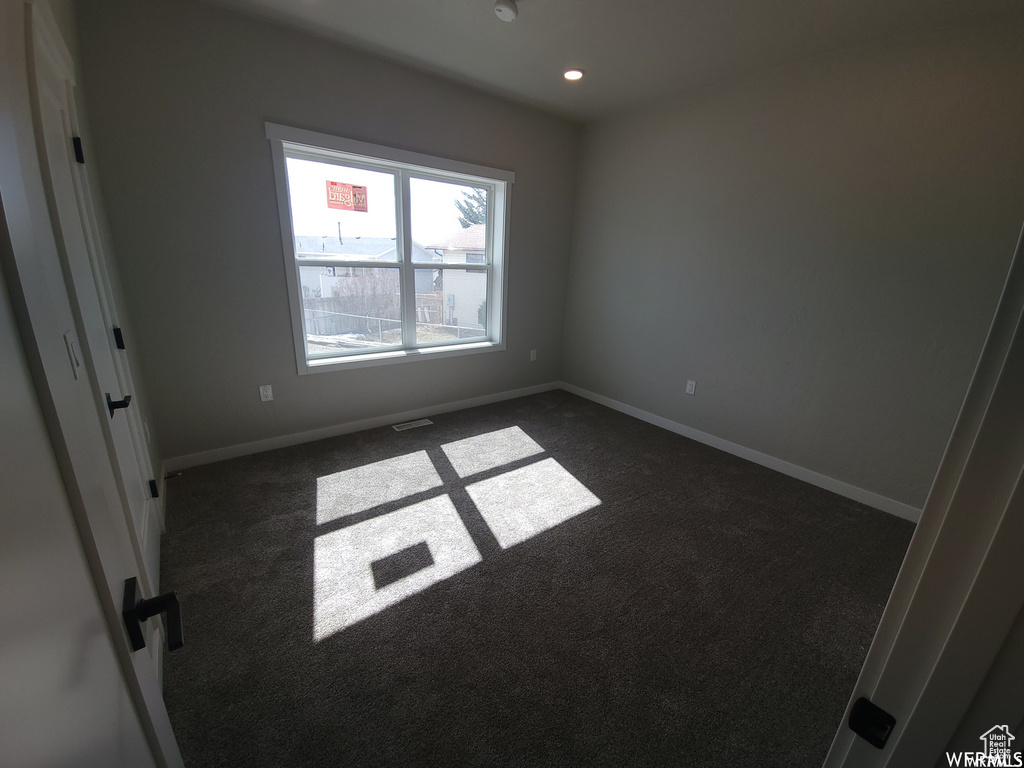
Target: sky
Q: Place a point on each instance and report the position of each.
(434, 215)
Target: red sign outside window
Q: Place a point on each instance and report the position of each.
(346, 197)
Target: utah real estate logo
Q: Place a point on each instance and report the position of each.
(996, 751)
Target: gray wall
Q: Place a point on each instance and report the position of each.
(178, 93)
(821, 247)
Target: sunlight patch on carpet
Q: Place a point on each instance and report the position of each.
(344, 588)
(518, 505)
(490, 450)
(357, 490)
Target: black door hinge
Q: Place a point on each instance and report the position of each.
(152, 489)
(79, 153)
(118, 338)
(871, 722)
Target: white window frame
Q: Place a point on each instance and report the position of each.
(286, 141)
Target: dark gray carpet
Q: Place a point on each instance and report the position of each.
(709, 612)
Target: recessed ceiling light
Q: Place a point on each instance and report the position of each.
(573, 74)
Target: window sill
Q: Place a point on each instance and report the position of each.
(397, 356)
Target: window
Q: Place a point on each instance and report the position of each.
(390, 255)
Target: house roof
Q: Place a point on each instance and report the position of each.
(471, 238)
(356, 248)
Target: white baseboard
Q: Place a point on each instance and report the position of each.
(268, 444)
(871, 499)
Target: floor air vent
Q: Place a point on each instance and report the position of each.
(411, 425)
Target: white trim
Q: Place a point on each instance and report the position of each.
(425, 163)
(161, 507)
(497, 321)
(161, 485)
(406, 269)
(296, 438)
(344, 363)
(291, 274)
(871, 499)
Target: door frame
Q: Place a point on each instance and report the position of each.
(52, 85)
(32, 267)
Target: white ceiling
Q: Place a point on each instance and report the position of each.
(632, 50)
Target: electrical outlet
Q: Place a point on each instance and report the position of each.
(266, 393)
(533, 355)
(691, 387)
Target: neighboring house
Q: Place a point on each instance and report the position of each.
(336, 281)
(465, 246)
(464, 291)
(453, 297)
(353, 306)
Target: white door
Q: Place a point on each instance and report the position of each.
(52, 331)
(84, 267)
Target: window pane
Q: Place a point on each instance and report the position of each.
(350, 308)
(449, 222)
(450, 304)
(340, 212)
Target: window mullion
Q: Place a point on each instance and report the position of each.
(408, 271)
